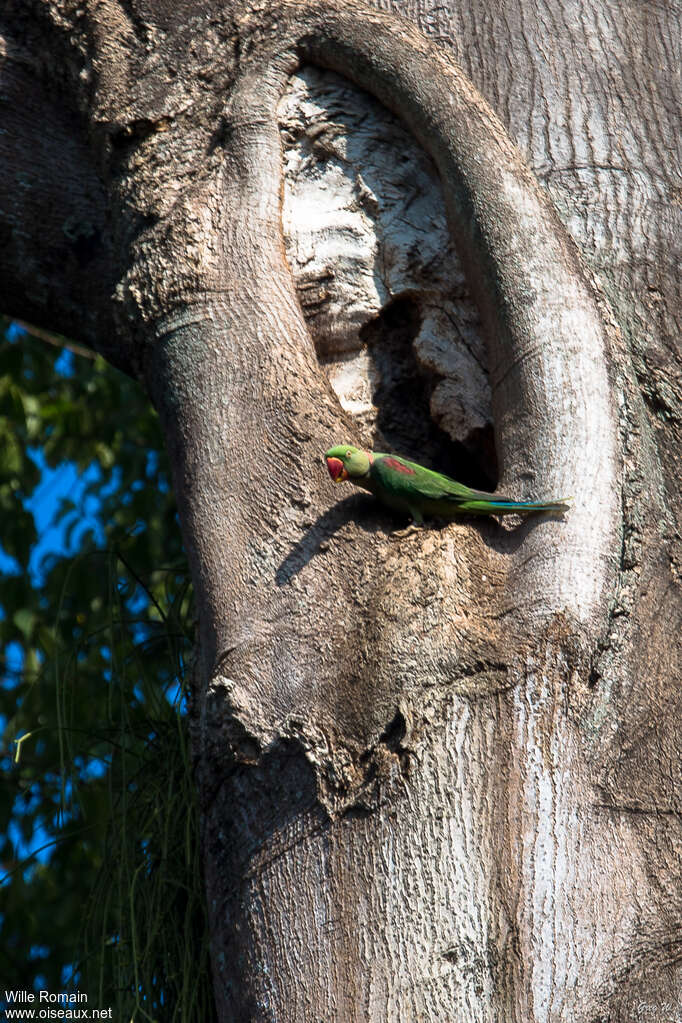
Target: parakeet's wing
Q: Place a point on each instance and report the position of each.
(411, 485)
(407, 479)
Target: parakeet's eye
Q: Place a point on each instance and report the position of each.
(349, 454)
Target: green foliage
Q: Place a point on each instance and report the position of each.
(94, 645)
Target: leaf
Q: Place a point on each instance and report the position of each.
(11, 453)
(105, 455)
(24, 619)
(12, 405)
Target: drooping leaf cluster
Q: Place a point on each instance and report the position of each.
(99, 841)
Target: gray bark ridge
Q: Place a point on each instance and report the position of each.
(281, 628)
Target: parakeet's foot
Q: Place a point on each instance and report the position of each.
(400, 534)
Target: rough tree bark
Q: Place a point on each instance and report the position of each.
(439, 773)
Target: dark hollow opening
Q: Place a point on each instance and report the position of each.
(403, 395)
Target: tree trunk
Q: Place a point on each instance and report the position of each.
(439, 772)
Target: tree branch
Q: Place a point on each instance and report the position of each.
(56, 340)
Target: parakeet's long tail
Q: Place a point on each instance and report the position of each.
(502, 506)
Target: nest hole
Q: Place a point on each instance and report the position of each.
(402, 397)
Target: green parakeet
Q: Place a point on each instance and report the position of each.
(407, 487)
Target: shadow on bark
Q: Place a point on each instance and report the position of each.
(502, 537)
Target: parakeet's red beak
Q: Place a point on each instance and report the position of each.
(337, 470)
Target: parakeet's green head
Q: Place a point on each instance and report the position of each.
(346, 462)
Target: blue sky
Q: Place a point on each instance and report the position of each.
(62, 481)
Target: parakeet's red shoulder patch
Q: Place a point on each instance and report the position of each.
(395, 463)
